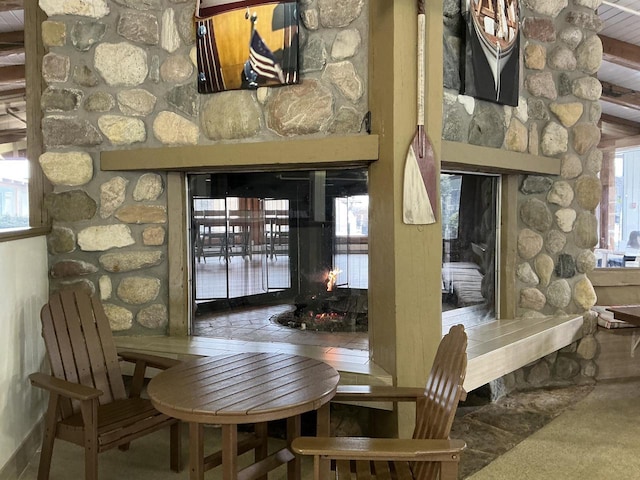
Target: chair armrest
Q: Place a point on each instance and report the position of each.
(150, 360)
(67, 389)
(360, 448)
(377, 393)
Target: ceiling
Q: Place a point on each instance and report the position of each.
(619, 73)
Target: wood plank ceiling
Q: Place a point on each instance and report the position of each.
(619, 73)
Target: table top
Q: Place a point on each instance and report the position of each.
(243, 388)
(628, 313)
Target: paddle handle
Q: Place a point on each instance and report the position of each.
(421, 41)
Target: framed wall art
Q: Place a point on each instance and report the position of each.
(492, 64)
(246, 44)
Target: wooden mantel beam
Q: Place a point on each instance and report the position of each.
(621, 53)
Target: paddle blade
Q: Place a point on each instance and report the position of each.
(417, 207)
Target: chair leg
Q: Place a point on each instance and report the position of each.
(49, 437)
(449, 470)
(89, 411)
(175, 441)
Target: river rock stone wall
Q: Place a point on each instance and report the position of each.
(121, 74)
(556, 117)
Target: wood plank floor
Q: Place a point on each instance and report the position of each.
(495, 348)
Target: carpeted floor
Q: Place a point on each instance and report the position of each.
(582, 433)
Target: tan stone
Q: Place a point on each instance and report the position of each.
(516, 138)
(535, 56)
(585, 137)
(54, 34)
(69, 168)
(119, 317)
(584, 294)
(153, 236)
(544, 268)
(142, 214)
(567, 113)
(173, 129)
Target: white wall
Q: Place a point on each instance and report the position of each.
(24, 288)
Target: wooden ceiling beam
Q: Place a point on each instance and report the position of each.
(615, 127)
(621, 53)
(11, 5)
(12, 39)
(622, 96)
(12, 74)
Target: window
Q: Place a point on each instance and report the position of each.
(619, 211)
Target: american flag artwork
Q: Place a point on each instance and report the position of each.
(262, 59)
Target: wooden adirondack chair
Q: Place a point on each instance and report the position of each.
(430, 454)
(88, 403)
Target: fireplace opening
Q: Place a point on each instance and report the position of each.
(290, 244)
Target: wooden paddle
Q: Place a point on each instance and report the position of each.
(420, 188)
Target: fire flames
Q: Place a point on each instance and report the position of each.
(332, 276)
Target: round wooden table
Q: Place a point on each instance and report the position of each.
(244, 388)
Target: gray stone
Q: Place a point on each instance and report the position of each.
(84, 76)
(85, 35)
(60, 131)
(153, 317)
(525, 274)
(586, 230)
(121, 130)
(83, 8)
(71, 206)
(169, 35)
(99, 102)
(585, 20)
(537, 109)
(534, 139)
(595, 112)
(585, 261)
(455, 121)
(112, 195)
(585, 137)
(565, 266)
(561, 194)
(566, 367)
(99, 238)
(590, 322)
(138, 290)
(338, 13)
(83, 284)
(121, 64)
(128, 261)
(555, 139)
(153, 235)
(559, 293)
(532, 298)
(346, 44)
(587, 88)
(587, 347)
(588, 192)
(571, 36)
(55, 68)
(242, 118)
(140, 4)
(300, 109)
(173, 129)
(451, 62)
(69, 168)
(142, 214)
(565, 84)
(60, 99)
(535, 184)
(136, 102)
(593, 163)
(584, 294)
(561, 58)
(547, 8)
(120, 319)
(154, 69)
(186, 25)
(310, 17)
(544, 268)
(71, 268)
(313, 57)
(485, 128)
(106, 287)
(555, 241)
(571, 166)
(535, 214)
(176, 69)
(61, 240)
(529, 243)
(139, 27)
(346, 120)
(539, 374)
(148, 188)
(344, 77)
(589, 368)
(541, 85)
(589, 55)
(565, 219)
(185, 98)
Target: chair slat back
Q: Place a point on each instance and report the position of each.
(80, 345)
(436, 411)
